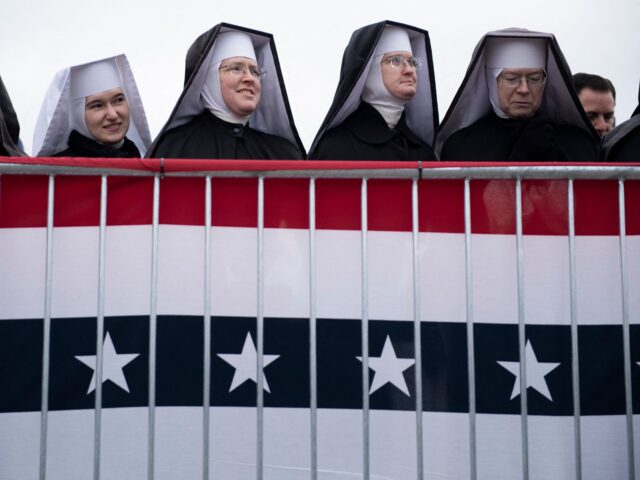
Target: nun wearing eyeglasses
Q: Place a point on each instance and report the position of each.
(516, 103)
(234, 103)
(93, 110)
(385, 105)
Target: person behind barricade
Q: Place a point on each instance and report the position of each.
(385, 104)
(92, 110)
(234, 104)
(622, 144)
(517, 103)
(598, 98)
(9, 127)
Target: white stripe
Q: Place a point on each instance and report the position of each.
(179, 442)
(546, 267)
(22, 272)
(19, 445)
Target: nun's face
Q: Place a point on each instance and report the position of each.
(107, 116)
(520, 91)
(400, 80)
(240, 85)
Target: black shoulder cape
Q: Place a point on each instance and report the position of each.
(365, 135)
(206, 136)
(493, 139)
(81, 146)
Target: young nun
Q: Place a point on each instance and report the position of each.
(234, 103)
(517, 103)
(92, 110)
(385, 105)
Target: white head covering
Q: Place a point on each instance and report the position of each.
(64, 104)
(90, 79)
(511, 53)
(227, 45)
(393, 39)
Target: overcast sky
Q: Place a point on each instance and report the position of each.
(39, 37)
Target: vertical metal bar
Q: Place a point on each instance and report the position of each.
(521, 332)
(625, 329)
(575, 364)
(417, 327)
(260, 333)
(471, 359)
(365, 331)
(46, 334)
(100, 330)
(206, 380)
(153, 318)
(313, 351)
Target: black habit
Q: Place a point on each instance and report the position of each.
(622, 144)
(81, 146)
(509, 140)
(206, 136)
(9, 126)
(558, 132)
(193, 132)
(365, 135)
(354, 130)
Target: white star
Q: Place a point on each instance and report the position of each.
(536, 371)
(112, 363)
(245, 364)
(388, 368)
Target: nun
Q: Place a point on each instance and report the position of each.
(234, 104)
(622, 144)
(10, 145)
(92, 110)
(517, 103)
(385, 105)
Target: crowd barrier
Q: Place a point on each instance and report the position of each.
(323, 320)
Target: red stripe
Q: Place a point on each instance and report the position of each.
(23, 203)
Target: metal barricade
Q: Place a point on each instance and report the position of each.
(466, 173)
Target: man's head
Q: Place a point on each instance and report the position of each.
(598, 98)
(516, 75)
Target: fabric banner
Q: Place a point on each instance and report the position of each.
(382, 439)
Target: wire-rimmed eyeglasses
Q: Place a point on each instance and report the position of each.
(399, 61)
(238, 69)
(512, 80)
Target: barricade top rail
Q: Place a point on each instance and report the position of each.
(147, 167)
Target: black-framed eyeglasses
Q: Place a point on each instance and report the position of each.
(239, 69)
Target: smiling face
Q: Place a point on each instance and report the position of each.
(524, 98)
(107, 117)
(240, 89)
(401, 81)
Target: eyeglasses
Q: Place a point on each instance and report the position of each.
(513, 81)
(239, 69)
(398, 61)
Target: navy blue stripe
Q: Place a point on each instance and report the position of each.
(444, 363)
